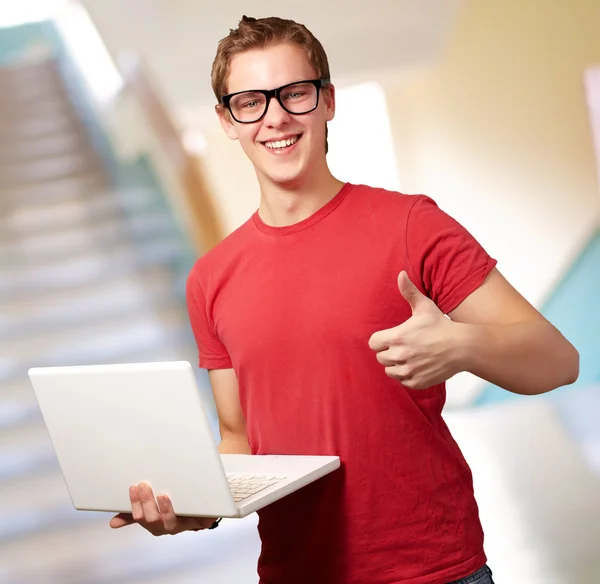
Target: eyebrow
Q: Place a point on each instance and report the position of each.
(300, 79)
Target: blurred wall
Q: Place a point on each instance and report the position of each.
(574, 307)
(229, 173)
(499, 133)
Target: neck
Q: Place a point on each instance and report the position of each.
(286, 204)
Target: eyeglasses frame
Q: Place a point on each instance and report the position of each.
(275, 93)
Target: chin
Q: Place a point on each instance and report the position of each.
(283, 178)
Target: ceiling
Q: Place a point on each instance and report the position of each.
(178, 38)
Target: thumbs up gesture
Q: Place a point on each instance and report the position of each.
(421, 351)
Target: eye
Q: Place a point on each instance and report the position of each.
(295, 95)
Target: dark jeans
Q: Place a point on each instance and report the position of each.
(483, 576)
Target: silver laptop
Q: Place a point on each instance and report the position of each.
(117, 425)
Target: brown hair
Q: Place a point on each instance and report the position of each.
(261, 33)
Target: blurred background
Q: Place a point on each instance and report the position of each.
(115, 176)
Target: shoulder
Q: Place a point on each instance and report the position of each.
(375, 197)
(390, 206)
(215, 262)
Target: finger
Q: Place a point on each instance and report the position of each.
(398, 372)
(410, 292)
(149, 506)
(385, 358)
(121, 520)
(382, 340)
(137, 510)
(170, 520)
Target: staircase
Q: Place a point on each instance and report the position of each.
(85, 277)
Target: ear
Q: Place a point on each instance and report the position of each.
(328, 96)
(226, 122)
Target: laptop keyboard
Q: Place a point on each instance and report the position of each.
(244, 486)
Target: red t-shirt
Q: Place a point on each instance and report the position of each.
(291, 309)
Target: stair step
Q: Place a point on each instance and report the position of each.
(20, 408)
(85, 235)
(114, 260)
(33, 493)
(55, 560)
(22, 441)
(27, 462)
(24, 523)
(29, 150)
(147, 346)
(29, 72)
(57, 215)
(109, 300)
(25, 99)
(25, 451)
(95, 542)
(40, 111)
(14, 414)
(128, 286)
(19, 405)
(26, 89)
(17, 82)
(131, 556)
(48, 169)
(50, 106)
(21, 129)
(154, 276)
(121, 329)
(17, 394)
(64, 189)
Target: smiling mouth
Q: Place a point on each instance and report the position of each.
(282, 144)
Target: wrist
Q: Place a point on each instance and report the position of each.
(233, 444)
(467, 337)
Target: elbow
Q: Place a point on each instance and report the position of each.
(567, 370)
(564, 370)
(572, 365)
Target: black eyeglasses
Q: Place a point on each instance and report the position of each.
(298, 98)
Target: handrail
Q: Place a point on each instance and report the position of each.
(207, 226)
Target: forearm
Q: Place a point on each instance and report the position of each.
(234, 444)
(527, 358)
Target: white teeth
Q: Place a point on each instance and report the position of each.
(282, 143)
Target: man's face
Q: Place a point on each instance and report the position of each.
(268, 69)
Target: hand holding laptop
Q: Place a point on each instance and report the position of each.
(157, 515)
(169, 443)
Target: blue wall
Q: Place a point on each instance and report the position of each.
(14, 40)
(574, 308)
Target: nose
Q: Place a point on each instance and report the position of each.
(276, 115)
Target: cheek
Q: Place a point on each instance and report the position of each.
(247, 139)
(316, 132)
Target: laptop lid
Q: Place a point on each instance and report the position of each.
(116, 425)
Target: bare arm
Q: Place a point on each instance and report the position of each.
(506, 341)
(232, 423)
(494, 333)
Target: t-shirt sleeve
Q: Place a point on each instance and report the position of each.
(212, 354)
(447, 262)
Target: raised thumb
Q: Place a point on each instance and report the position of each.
(410, 292)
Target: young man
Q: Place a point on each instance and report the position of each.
(322, 322)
